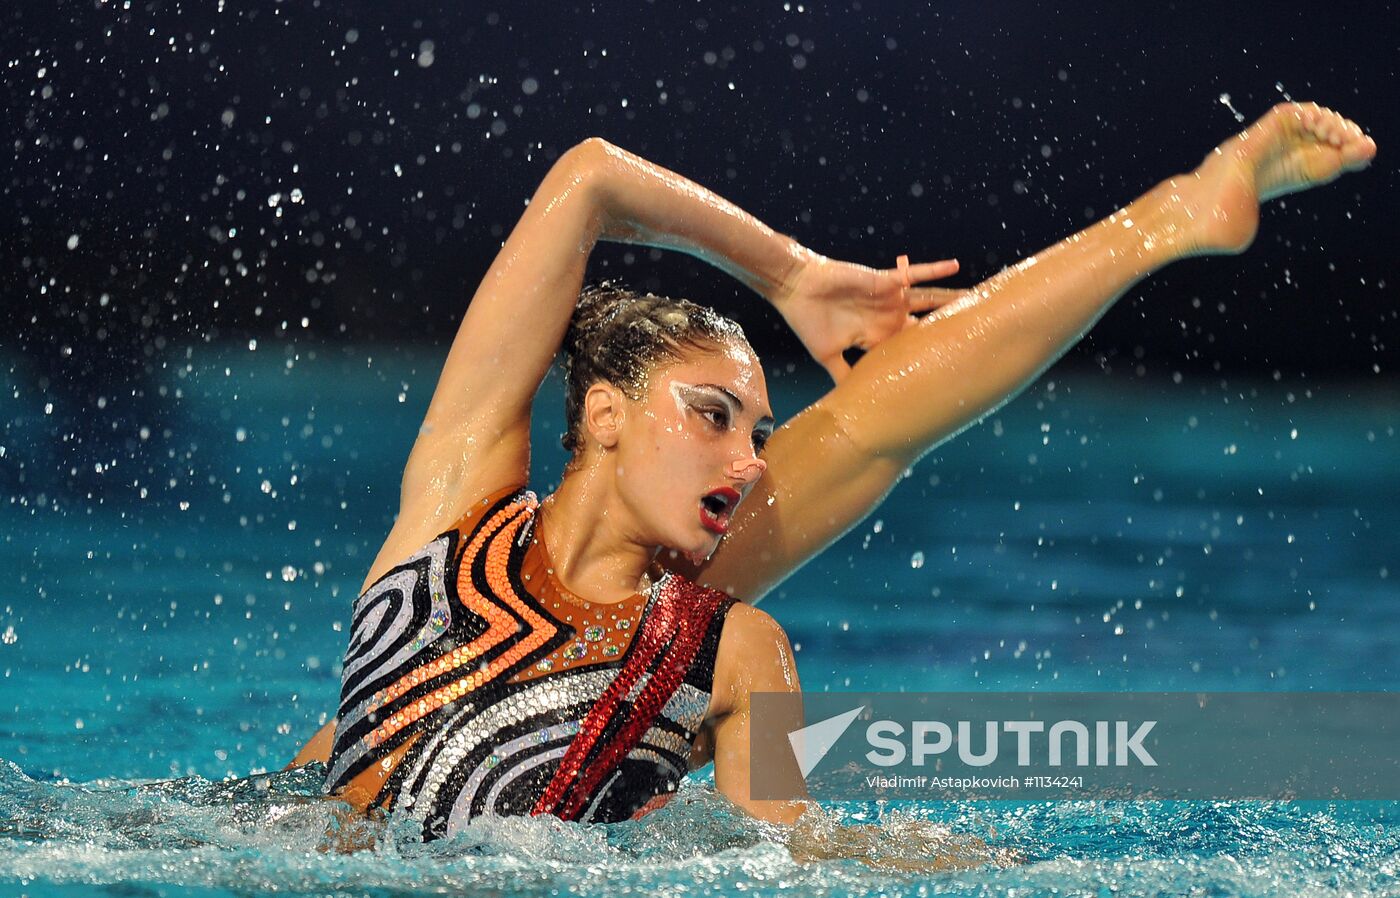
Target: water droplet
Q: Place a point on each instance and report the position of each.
(1225, 100)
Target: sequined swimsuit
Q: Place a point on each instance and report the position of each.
(525, 698)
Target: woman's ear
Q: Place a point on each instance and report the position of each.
(603, 413)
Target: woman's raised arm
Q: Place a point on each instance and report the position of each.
(475, 433)
(475, 436)
(832, 464)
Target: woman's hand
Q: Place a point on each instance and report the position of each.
(833, 305)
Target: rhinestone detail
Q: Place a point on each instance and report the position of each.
(456, 682)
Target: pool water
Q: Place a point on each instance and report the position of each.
(174, 607)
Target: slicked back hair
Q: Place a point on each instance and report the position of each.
(617, 335)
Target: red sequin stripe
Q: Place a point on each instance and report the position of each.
(646, 645)
(688, 611)
(690, 614)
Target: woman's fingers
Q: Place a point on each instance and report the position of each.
(905, 276)
(932, 271)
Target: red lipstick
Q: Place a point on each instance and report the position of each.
(716, 507)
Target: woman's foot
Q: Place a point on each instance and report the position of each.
(1293, 147)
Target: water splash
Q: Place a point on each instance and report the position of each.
(1225, 100)
(276, 833)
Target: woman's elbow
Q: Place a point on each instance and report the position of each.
(584, 172)
(588, 159)
(592, 146)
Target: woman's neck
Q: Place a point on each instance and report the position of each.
(588, 536)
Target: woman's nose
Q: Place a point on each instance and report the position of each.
(747, 469)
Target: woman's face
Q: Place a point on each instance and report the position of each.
(688, 452)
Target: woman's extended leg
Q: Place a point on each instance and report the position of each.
(832, 464)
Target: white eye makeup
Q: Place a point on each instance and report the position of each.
(719, 407)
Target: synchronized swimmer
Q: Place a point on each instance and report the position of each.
(576, 655)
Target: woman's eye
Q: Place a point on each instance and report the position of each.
(715, 416)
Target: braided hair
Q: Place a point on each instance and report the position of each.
(617, 336)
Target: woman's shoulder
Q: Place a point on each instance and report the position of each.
(751, 640)
(750, 627)
(743, 625)
(754, 655)
(518, 495)
(410, 538)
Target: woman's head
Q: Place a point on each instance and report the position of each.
(670, 398)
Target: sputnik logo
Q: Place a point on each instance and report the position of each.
(811, 743)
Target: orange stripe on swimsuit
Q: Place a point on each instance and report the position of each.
(579, 709)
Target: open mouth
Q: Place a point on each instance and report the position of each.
(716, 507)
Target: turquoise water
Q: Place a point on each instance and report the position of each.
(162, 656)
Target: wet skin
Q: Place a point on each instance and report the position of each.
(649, 462)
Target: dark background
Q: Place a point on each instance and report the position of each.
(315, 173)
